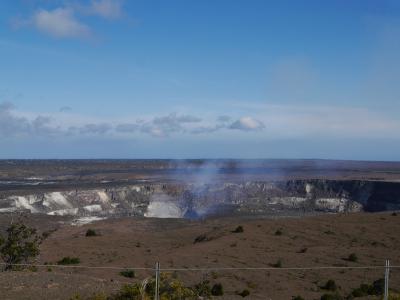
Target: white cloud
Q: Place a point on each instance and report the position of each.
(63, 22)
(59, 23)
(172, 123)
(12, 125)
(109, 9)
(247, 124)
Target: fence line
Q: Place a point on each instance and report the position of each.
(204, 269)
(76, 266)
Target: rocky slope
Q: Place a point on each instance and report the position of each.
(198, 200)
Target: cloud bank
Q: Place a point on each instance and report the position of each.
(59, 23)
(266, 121)
(17, 124)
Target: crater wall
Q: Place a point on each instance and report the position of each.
(188, 200)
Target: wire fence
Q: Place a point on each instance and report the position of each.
(206, 269)
(276, 278)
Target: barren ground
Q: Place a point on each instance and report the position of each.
(133, 242)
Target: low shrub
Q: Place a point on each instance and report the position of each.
(238, 229)
(47, 233)
(244, 293)
(98, 296)
(214, 275)
(69, 261)
(201, 238)
(362, 291)
(278, 264)
(278, 232)
(91, 232)
(171, 288)
(128, 291)
(376, 288)
(330, 285)
(297, 298)
(329, 232)
(331, 297)
(203, 288)
(33, 268)
(251, 284)
(127, 273)
(352, 257)
(217, 290)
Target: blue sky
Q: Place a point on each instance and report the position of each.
(200, 79)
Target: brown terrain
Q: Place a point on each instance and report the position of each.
(317, 241)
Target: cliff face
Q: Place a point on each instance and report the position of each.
(191, 201)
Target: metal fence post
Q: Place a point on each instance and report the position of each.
(157, 287)
(387, 271)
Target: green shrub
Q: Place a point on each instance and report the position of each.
(127, 273)
(69, 261)
(331, 297)
(352, 257)
(201, 238)
(98, 296)
(33, 268)
(376, 288)
(244, 293)
(203, 288)
(330, 285)
(47, 233)
(19, 246)
(278, 264)
(238, 229)
(170, 289)
(217, 290)
(127, 292)
(362, 291)
(91, 232)
(214, 275)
